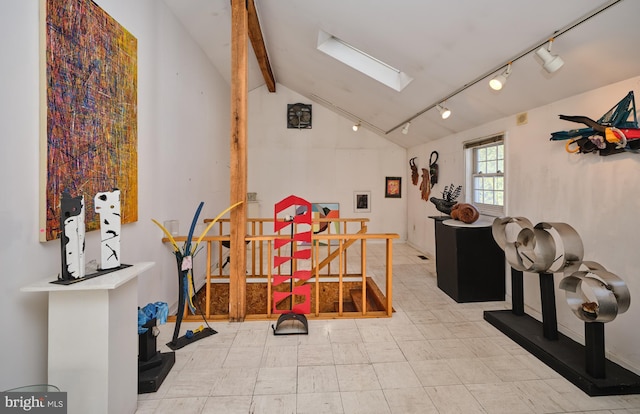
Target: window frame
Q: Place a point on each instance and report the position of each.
(471, 150)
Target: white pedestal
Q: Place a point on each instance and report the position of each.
(93, 340)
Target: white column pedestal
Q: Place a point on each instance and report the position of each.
(93, 340)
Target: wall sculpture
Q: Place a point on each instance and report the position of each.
(614, 132)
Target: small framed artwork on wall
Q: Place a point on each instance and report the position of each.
(362, 201)
(392, 187)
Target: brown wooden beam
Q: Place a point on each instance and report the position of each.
(238, 161)
(257, 41)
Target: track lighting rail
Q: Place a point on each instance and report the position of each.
(525, 52)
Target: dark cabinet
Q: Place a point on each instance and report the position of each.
(470, 265)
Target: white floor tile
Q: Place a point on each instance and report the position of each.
(357, 377)
(434, 373)
(281, 380)
(452, 399)
(392, 375)
(409, 401)
(234, 381)
(191, 405)
(499, 398)
(317, 379)
(350, 354)
(227, 405)
(319, 403)
(365, 402)
(315, 355)
(472, 371)
(375, 334)
(384, 352)
(434, 356)
(280, 356)
(244, 356)
(273, 403)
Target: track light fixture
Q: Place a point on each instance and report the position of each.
(551, 63)
(356, 127)
(444, 112)
(405, 128)
(498, 81)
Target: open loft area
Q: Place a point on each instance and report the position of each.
(425, 126)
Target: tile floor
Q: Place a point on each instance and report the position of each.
(433, 356)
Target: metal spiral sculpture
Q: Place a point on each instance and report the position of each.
(593, 293)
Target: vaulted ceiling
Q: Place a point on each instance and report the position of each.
(448, 47)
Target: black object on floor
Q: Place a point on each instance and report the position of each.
(564, 355)
(469, 263)
(184, 341)
(423, 257)
(153, 366)
(291, 324)
(151, 378)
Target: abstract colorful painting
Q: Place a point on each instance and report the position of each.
(89, 111)
(326, 210)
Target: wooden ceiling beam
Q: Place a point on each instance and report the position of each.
(257, 42)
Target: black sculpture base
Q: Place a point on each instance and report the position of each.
(184, 341)
(291, 324)
(152, 373)
(563, 355)
(97, 273)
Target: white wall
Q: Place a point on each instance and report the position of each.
(183, 148)
(324, 164)
(598, 196)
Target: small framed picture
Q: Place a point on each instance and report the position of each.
(362, 201)
(392, 187)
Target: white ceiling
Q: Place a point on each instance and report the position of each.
(443, 45)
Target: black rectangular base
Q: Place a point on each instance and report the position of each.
(97, 273)
(563, 355)
(184, 341)
(151, 379)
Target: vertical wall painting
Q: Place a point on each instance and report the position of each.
(362, 201)
(393, 187)
(88, 111)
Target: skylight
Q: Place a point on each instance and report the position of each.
(362, 62)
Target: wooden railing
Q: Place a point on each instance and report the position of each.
(330, 250)
(256, 227)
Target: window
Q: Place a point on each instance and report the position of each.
(362, 61)
(486, 174)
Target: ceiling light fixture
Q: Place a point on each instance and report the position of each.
(551, 63)
(356, 127)
(498, 81)
(444, 112)
(525, 52)
(405, 129)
